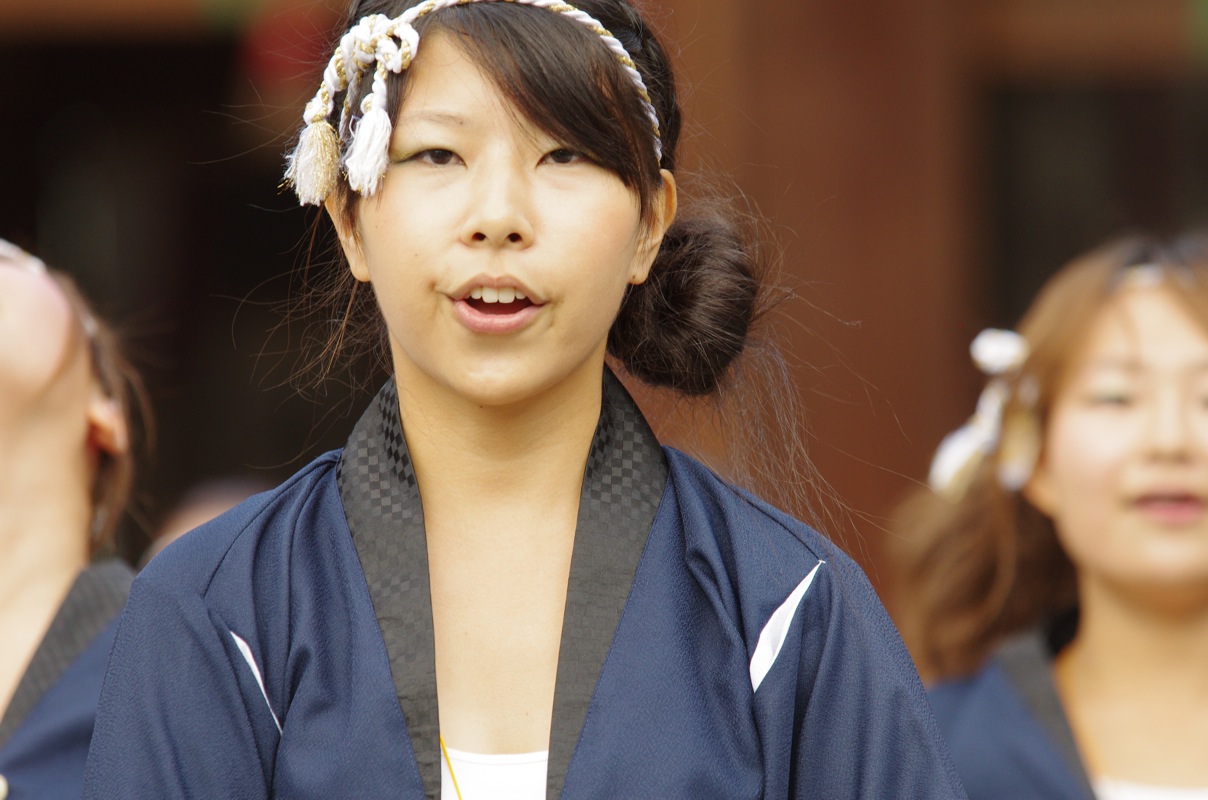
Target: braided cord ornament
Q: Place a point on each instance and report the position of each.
(388, 46)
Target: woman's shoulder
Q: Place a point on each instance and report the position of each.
(741, 521)
(969, 700)
(1015, 679)
(762, 555)
(256, 536)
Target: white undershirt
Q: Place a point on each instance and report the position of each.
(507, 776)
(1109, 789)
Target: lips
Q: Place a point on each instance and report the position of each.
(495, 304)
(1171, 508)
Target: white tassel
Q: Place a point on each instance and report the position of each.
(996, 353)
(956, 460)
(369, 154)
(964, 449)
(314, 164)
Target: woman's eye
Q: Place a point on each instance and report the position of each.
(1111, 399)
(435, 156)
(564, 155)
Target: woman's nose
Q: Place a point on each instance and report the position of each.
(500, 212)
(1169, 430)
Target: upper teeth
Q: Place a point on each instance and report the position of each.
(489, 294)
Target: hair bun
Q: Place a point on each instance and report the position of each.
(684, 326)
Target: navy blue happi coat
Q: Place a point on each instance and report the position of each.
(713, 647)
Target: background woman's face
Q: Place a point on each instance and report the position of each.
(39, 332)
(1124, 473)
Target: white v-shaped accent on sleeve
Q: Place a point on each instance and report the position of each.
(772, 637)
(251, 662)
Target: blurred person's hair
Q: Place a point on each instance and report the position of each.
(122, 384)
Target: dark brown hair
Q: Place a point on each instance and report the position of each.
(989, 564)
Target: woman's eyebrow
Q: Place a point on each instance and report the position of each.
(1134, 365)
(437, 116)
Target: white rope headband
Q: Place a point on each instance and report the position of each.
(389, 45)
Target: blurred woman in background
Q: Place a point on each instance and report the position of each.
(1060, 573)
(65, 475)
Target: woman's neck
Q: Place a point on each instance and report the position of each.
(510, 461)
(1126, 641)
(45, 518)
(44, 525)
(1134, 682)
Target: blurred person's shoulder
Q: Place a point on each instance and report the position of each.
(257, 537)
(1006, 728)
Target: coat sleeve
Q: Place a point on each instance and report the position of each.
(861, 725)
(181, 712)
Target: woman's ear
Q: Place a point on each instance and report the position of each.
(107, 429)
(666, 202)
(349, 240)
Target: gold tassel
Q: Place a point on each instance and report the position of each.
(314, 163)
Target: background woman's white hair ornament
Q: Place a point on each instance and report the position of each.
(997, 353)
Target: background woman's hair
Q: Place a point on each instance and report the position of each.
(114, 479)
(685, 326)
(988, 565)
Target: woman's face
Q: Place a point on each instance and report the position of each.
(39, 333)
(1124, 473)
(498, 257)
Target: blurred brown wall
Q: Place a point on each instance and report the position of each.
(844, 122)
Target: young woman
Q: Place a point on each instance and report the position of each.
(1063, 581)
(65, 470)
(503, 586)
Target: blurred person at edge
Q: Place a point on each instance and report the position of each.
(65, 475)
(1059, 575)
(201, 503)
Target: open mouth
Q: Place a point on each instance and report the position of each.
(487, 300)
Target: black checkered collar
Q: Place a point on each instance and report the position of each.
(622, 486)
(96, 597)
